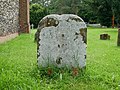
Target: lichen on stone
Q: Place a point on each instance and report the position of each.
(62, 37)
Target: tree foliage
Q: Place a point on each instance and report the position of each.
(78, 7)
(65, 6)
(37, 12)
(103, 11)
(44, 3)
(92, 11)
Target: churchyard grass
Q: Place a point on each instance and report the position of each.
(18, 65)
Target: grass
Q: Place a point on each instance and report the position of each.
(18, 65)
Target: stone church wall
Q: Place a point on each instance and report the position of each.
(9, 17)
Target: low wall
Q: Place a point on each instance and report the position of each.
(6, 38)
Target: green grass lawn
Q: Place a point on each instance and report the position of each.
(18, 65)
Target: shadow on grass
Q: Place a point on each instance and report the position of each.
(111, 31)
(116, 47)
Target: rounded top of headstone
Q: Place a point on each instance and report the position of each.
(55, 19)
(66, 17)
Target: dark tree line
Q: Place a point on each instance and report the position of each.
(92, 11)
(78, 7)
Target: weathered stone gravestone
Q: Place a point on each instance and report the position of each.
(61, 41)
(104, 37)
(32, 26)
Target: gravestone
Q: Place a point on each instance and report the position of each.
(32, 26)
(104, 37)
(61, 41)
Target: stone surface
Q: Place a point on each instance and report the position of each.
(9, 11)
(61, 41)
(14, 16)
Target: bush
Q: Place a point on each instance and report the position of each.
(37, 12)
